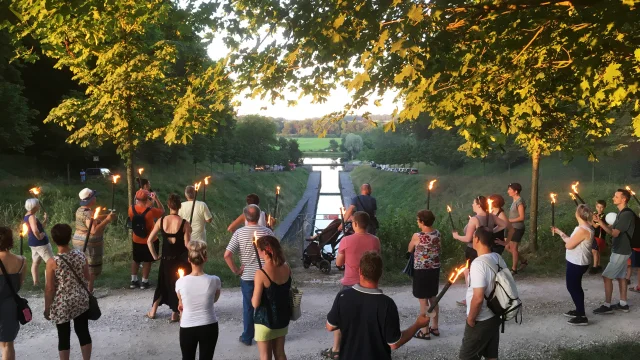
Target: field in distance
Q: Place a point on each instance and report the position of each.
(314, 144)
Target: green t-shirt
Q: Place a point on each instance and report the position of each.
(625, 223)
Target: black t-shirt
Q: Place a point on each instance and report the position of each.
(369, 323)
(365, 203)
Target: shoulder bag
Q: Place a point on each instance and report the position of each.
(24, 311)
(94, 309)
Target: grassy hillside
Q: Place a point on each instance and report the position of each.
(225, 197)
(400, 196)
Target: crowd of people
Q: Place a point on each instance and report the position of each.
(364, 322)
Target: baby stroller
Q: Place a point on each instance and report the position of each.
(315, 253)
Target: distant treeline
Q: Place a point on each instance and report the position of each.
(311, 127)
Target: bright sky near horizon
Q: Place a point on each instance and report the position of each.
(304, 109)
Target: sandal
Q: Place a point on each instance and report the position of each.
(330, 354)
(634, 289)
(514, 272)
(149, 316)
(434, 332)
(523, 264)
(462, 303)
(422, 336)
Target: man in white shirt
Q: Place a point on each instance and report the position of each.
(242, 244)
(482, 331)
(201, 214)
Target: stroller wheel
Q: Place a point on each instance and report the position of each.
(306, 264)
(325, 266)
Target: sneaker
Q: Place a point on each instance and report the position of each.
(134, 284)
(145, 285)
(604, 310)
(578, 321)
(598, 269)
(571, 314)
(619, 307)
(593, 270)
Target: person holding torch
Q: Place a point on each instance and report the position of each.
(143, 217)
(201, 214)
(38, 240)
(95, 246)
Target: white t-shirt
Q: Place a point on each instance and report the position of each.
(581, 254)
(198, 295)
(262, 221)
(482, 276)
(201, 215)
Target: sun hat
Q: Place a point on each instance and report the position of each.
(142, 194)
(86, 195)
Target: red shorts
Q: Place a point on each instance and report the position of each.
(601, 244)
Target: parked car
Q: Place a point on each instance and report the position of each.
(373, 164)
(413, 171)
(97, 173)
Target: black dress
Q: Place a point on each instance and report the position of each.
(174, 257)
(498, 249)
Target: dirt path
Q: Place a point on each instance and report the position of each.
(123, 333)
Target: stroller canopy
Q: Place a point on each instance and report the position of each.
(330, 234)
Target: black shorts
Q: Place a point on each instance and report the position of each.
(425, 283)
(635, 259)
(142, 254)
(517, 235)
(470, 254)
(481, 340)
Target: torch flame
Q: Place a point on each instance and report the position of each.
(553, 197)
(140, 171)
(197, 186)
(206, 180)
(448, 208)
(490, 202)
(181, 273)
(115, 178)
(25, 230)
(574, 187)
(573, 197)
(342, 210)
(35, 191)
(255, 238)
(457, 271)
(269, 219)
(95, 213)
(278, 190)
(431, 184)
(629, 189)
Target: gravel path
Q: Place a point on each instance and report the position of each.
(123, 332)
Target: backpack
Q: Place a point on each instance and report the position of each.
(503, 299)
(138, 222)
(635, 239)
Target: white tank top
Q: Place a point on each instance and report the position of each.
(581, 254)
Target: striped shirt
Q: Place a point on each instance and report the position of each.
(242, 243)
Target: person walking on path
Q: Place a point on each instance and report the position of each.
(578, 257)
(201, 214)
(368, 319)
(252, 199)
(497, 210)
(482, 218)
(83, 176)
(65, 297)
(425, 246)
(37, 238)
(271, 300)
(95, 246)
(176, 234)
(241, 243)
(11, 277)
(516, 217)
(599, 243)
(349, 253)
(482, 329)
(143, 218)
(621, 231)
(367, 203)
(197, 293)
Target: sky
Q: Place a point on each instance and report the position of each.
(304, 109)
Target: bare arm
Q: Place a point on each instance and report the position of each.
(609, 229)
(570, 243)
(407, 334)
(50, 288)
(98, 228)
(468, 236)
(349, 213)
(215, 299)
(153, 237)
(228, 258)
(414, 241)
(258, 280)
(187, 234)
(158, 203)
(33, 224)
(23, 274)
(520, 217)
(236, 223)
(340, 259)
(476, 305)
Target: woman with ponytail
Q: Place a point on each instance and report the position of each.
(197, 293)
(271, 300)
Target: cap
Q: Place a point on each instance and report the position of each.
(142, 194)
(86, 195)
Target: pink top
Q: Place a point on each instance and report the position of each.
(353, 246)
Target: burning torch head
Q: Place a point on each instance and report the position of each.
(448, 208)
(115, 178)
(553, 197)
(574, 186)
(457, 271)
(490, 204)
(206, 180)
(35, 191)
(630, 191)
(197, 185)
(24, 230)
(96, 213)
(431, 184)
(140, 171)
(573, 197)
(278, 190)
(181, 273)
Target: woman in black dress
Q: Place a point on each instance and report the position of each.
(176, 233)
(497, 202)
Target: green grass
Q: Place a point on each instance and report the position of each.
(314, 144)
(400, 196)
(621, 350)
(225, 197)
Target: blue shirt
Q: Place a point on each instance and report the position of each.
(33, 240)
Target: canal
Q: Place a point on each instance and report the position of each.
(330, 199)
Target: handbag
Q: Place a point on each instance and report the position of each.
(94, 312)
(295, 300)
(24, 311)
(408, 269)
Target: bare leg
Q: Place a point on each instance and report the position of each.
(86, 351)
(608, 289)
(64, 354)
(515, 255)
(92, 279)
(596, 258)
(638, 280)
(622, 285)
(174, 316)
(277, 346)
(154, 309)
(8, 352)
(264, 349)
(134, 268)
(34, 271)
(337, 336)
(146, 269)
(436, 310)
(423, 311)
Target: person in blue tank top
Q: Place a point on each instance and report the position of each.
(38, 240)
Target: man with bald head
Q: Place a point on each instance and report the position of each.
(367, 203)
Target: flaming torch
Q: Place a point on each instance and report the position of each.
(180, 273)
(275, 211)
(255, 247)
(193, 206)
(452, 279)
(204, 190)
(86, 239)
(140, 171)
(490, 203)
(342, 216)
(36, 191)
(450, 218)
(633, 194)
(573, 197)
(574, 188)
(429, 188)
(553, 210)
(114, 180)
(23, 233)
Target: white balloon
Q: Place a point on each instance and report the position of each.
(610, 218)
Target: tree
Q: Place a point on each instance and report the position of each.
(353, 145)
(333, 145)
(143, 65)
(255, 136)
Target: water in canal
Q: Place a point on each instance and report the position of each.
(330, 199)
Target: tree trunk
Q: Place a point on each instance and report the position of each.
(593, 172)
(533, 209)
(509, 171)
(130, 176)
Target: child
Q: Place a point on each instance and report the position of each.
(599, 243)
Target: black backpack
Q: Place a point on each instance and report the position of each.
(635, 239)
(138, 222)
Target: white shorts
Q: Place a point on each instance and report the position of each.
(44, 252)
(617, 267)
